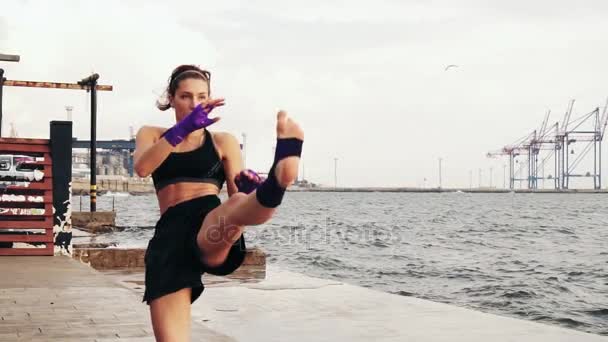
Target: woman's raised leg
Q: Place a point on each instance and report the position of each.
(225, 224)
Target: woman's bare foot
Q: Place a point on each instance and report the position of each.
(286, 170)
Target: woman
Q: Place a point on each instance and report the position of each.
(196, 233)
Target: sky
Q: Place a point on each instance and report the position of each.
(366, 80)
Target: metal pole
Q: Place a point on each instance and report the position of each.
(561, 163)
(556, 178)
(479, 186)
(93, 146)
(511, 161)
(536, 153)
(91, 83)
(490, 177)
(244, 150)
(532, 167)
(439, 173)
(68, 110)
(335, 172)
(504, 176)
(599, 155)
(566, 164)
(595, 161)
(534, 170)
(529, 168)
(558, 167)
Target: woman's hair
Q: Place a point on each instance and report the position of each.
(180, 73)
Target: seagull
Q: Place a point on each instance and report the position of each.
(450, 66)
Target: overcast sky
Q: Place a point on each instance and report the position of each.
(366, 80)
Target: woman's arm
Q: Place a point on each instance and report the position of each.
(150, 151)
(232, 159)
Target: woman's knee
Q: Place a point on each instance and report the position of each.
(244, 217)
(237, 212)
(236, 198)
(218, 231)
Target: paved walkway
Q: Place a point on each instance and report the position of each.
(60, 299)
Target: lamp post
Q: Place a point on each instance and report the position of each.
(470, 179)
(68, 110)
(440, 172)
(244, 150)
(335, 172)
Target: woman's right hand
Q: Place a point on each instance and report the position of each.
(197, 119)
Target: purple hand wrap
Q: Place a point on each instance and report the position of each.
(245, 184)
(270, 193)
(197, 119)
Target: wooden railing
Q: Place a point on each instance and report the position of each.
(26, 197)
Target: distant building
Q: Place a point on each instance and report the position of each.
(115, 165)
(110, 164)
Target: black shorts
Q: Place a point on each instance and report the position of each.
(173, 259)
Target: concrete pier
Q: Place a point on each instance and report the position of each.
(253, 267)
(94, 222)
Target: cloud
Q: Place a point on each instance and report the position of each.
(66, 41)
(3, 29)
(366, 80)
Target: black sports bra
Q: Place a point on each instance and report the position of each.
(202, 165)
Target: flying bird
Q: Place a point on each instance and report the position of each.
(450, 66)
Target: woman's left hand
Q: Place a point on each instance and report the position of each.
(247, 181)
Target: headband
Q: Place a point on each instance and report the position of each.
(191, 71)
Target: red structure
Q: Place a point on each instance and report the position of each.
(26, 196)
